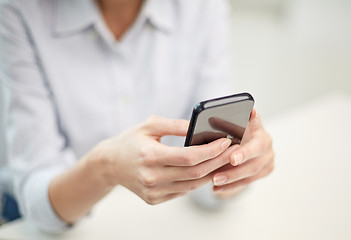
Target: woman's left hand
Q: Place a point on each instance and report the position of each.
(250, 161)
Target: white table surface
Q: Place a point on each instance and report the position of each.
(308, 196)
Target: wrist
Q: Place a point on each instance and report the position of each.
(99, 163)
(74, 192)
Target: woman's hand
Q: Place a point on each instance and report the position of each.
(252, 160)
(156, 173)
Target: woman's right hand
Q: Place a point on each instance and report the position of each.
(155, 172)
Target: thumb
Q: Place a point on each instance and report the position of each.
(160, 126)
(255, 120)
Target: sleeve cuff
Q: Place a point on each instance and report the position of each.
(35, 203)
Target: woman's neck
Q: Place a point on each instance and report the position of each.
(119, 15)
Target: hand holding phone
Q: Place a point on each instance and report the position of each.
(229, 117)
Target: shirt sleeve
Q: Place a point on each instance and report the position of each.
(37, 149)
(214, 74)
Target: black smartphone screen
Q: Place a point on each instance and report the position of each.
(224, 117)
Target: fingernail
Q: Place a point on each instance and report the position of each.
(238, 158)
(219, 180)
(226, 143)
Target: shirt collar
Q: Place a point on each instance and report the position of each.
(161, 14)
(72, 16)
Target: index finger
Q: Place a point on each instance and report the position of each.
(160, 126)
(193, 155)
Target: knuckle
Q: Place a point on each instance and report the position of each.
(151, 196)
(262, 140)
(151, 120)
(148, 179)
(197, 173)
(189, 186)
(262, 145)
(254, 169)
(147, 154)
(150, 201)
(215, 151)
(192, 187)
(188, 159)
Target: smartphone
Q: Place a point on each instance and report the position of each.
(224, 117)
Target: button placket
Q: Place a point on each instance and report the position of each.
(122, 78)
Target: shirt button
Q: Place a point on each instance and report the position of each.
(125, 99)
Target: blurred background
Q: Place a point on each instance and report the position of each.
(288, 52)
